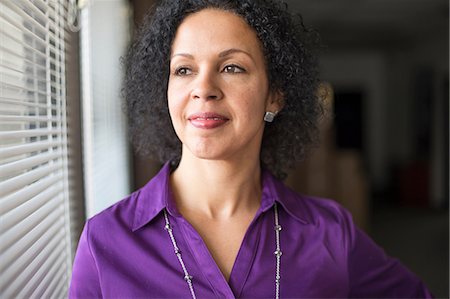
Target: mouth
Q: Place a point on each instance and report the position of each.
(207, 120)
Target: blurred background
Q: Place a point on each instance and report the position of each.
(384, 155)
(65, 155)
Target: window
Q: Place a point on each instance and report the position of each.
(35, 238)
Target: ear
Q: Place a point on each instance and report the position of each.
(275, 101)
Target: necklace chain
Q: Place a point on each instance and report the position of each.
(188, 278)
(177, 251)
(277, 252)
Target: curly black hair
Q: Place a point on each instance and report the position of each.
(290, 53)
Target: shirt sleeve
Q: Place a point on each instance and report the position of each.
(85, 281)
(373, 274)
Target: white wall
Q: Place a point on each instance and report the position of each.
(104, 39)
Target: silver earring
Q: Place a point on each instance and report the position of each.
(269, 116)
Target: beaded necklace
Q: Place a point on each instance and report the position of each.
(188, 278)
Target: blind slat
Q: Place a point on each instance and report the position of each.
(28, 5)
(21, 43)
(19, 27)
(50, 283)
(27, 133)
(34, 63)
(12, 151)
(25, 75)
(14, 118)
(38, 26)
(44, 5)
(45, 257)
(23, 102)
(27, 89)
(26, 246)
(24, 183)
(22, 228)
(57, 289)
(27, 163)
(43, 55)
(19, 214)
(22, 58)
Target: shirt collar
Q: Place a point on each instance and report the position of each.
(157, 195)
(152, 198)
(293, 203)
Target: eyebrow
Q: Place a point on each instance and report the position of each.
(182, 54)
(221, 54)
(232, 51)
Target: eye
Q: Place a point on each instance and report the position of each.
(183, 71)
(232, 68)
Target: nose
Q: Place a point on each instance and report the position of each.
(206, 87)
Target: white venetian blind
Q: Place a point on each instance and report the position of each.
(35, 252)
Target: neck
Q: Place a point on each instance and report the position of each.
(217, 189)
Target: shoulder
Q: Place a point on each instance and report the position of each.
(322, 217)
(324, 209)
(138, 208)
(120, 214)
(311, 209)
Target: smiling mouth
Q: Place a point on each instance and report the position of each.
(207, 120)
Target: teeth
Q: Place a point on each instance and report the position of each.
(213, 118)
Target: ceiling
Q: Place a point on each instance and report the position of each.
(371, 23)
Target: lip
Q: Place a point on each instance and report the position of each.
(207, 120)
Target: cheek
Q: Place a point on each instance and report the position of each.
(254, 100)
(256, 93)
(174, 111)
(174, 98)
(170, 94)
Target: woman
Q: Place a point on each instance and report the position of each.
(225, 91)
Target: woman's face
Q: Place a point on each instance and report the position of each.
(218, 89)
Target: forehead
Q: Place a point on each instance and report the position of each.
(215, 30)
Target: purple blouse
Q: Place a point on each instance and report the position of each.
(125, 252)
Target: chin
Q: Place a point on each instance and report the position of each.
(201, 151)
(207, 155)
